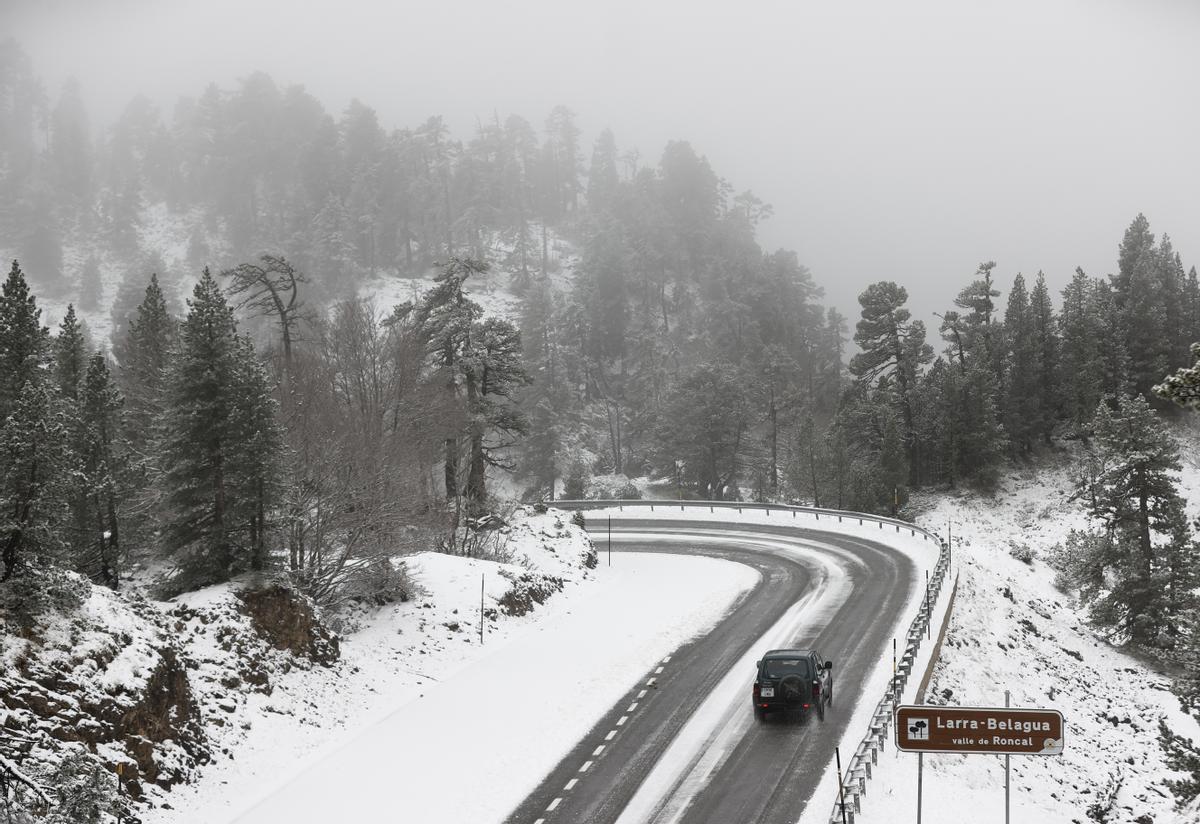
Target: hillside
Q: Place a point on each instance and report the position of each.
(190, 689)
(1013, 629)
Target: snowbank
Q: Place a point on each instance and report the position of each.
(1011, 629)
(422, 704)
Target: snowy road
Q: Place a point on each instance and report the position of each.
(682, 746)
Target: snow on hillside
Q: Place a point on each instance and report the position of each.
(415, 690)
(166, 235)
(1012, 629)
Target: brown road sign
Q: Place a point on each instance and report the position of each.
(995, 730)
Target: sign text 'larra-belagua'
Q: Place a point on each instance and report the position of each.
(994, 730)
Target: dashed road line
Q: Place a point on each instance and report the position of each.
(587, 765)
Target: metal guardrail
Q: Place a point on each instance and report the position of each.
(853, 783)
(712, 506)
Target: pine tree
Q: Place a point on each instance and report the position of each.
(103, 456)
(70, 357)
(23, 340)
(143, 352)
(68, 367)
(894, 348)
(1123, 572)
(219, 446)
(1137, 242)
(1145, 323)
(1022, 411)
(495, 372)
(1045, 358)
(35, 462)
(445, 318)
(1115, 364)
(1079, 366)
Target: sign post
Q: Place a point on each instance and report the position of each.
(1007, 759)
(1006, 731)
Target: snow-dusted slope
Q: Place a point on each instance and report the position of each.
(1012, 629)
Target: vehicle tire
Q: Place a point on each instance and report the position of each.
(821, 710)
(830, 694)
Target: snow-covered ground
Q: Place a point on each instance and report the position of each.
(1012, 629)
(415, 707)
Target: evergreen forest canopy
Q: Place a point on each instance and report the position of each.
(341, 431)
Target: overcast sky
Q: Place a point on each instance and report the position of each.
(902, 141)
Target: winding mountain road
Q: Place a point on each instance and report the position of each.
(682, 747)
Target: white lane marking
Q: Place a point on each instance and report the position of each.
(540, 821)
(571, 785)
(632, 707)
(658, 671)
(553, 805)
(707, 739)
(611, 735)
(667, 659)
(587, 765)
(641, 695)
(598, 750)
(622, 720)
(650, 683)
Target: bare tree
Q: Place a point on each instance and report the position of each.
(271, 289)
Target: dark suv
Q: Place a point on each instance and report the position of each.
(792, 680)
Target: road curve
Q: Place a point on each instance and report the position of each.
(682, 746)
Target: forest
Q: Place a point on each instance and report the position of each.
(284, 420)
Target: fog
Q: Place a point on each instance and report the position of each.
(895, 141)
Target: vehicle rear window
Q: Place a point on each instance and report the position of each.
(783, 667)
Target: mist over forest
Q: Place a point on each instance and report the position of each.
(248, 333)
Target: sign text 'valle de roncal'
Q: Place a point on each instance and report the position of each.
(994, 730)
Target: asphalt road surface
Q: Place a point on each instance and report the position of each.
(682, 747)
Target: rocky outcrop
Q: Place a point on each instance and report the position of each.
(288, 621)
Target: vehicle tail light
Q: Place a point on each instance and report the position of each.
(806, 706)
(757, 691)
(816, 690)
